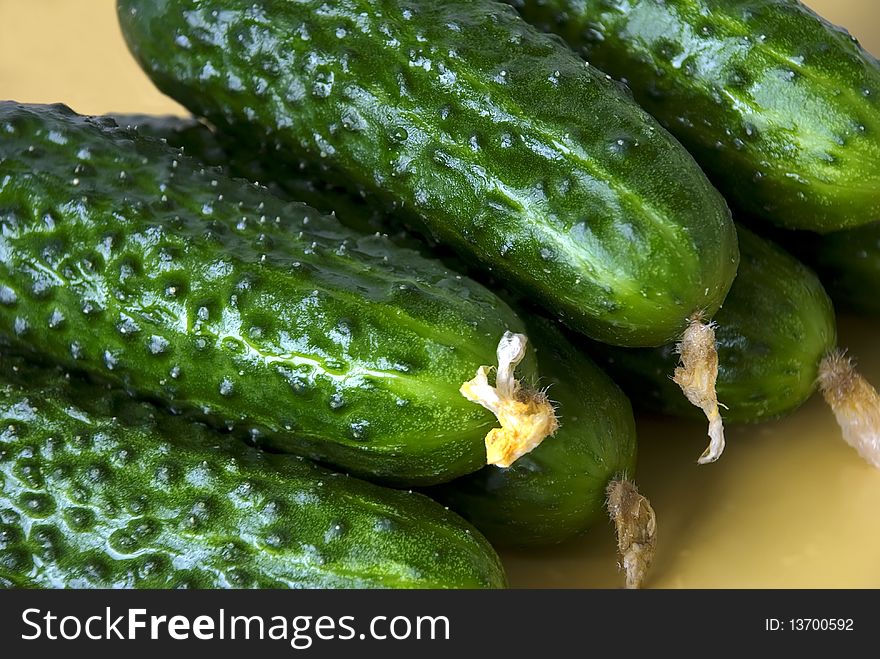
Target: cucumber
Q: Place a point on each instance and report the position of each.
(100, 491)
(494, 138)
(781, 108)
(777, 343)
(558, 490)
(124, 259)
(848, 263)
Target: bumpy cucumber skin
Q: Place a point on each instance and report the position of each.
(246, 161)
(773, 331)
(558, 490)
(781, 108)
(848, 263)
(101, 491)
(360, 211)
(496, 138)
(122, 258)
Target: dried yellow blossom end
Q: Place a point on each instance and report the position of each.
(855, 404)
(526, 416)
(696, 375)
(636, 525)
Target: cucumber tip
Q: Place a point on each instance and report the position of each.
(636, 525)
(855, 403)
(696, 375)
(527, 417)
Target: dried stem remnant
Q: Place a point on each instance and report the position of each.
(855, 404)
(526, 416)
(696, 375)
(636, 526)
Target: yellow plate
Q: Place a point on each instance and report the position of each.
(789, 504)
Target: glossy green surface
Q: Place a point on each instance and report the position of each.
(496, 138)
(245, 160)
(773, 331)
(357, 210)
(781, 108)
(125, 259)
(848, 263)
(558, 490)
(100, 491)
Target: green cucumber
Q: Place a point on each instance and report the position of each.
(100, 491)
(776, 326)
(777, 344)
(781, 108)
(494, 138)
(558, 490)
(848, 263)
(122, 258)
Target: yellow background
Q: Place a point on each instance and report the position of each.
(789, 504)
